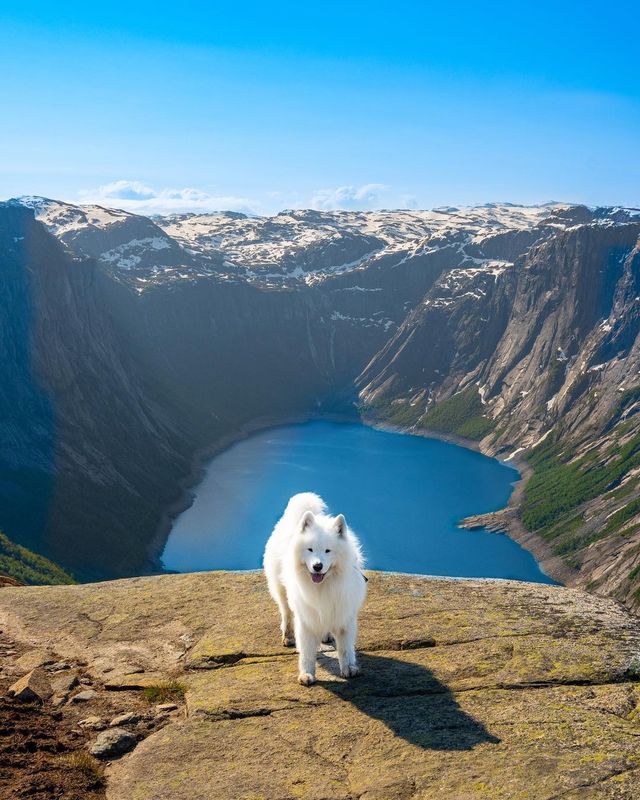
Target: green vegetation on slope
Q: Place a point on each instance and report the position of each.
(462, 414)
(557, 488)
(398, 412)
(617, 519)
(23, 565)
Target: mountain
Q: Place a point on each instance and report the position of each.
(539, 361)
(133, 346)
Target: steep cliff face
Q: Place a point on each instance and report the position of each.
(539, 361)
(524, 333)
(114, 380)
(26, 418)
(130, 344)
(98, 447)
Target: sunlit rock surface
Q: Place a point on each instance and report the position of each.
(470, 689)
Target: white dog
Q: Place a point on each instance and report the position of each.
(313, 563)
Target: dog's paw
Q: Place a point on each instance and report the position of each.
(306, 679)
(288, 641)
(350, 671)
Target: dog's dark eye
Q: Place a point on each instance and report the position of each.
(310, 549)
(327, 551)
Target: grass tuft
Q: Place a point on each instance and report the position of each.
(85, 763)
(165, 692)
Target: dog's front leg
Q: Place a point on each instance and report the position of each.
(286, 624)
(346, 647)
(307, 643)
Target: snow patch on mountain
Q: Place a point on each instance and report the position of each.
(126, 257)
(309, 246)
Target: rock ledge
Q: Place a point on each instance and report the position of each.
(471, 689)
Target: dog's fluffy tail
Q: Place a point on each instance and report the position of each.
(305, 501)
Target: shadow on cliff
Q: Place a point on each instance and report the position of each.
(410, 701)
(27, 419)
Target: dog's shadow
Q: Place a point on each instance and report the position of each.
(410, 701)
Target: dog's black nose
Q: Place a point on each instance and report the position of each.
(317, 566)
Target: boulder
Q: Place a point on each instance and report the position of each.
(93, 723)
(58, 666)
(33, 659)
(63, 682)
(127, 718)
(32, 687)
(113, 743)
(84, 696)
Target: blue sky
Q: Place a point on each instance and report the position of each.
(264, 106)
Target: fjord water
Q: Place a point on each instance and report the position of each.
(403, 495)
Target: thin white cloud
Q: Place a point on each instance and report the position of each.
(142, 199)
(408, 201)
(347, 198)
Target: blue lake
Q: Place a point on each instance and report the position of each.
(403, 495)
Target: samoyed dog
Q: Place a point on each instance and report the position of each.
(313, 563)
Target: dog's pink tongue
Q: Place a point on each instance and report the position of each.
(316, 577)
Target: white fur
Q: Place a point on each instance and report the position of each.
(314, 610)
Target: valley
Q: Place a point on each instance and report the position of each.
(135, 346)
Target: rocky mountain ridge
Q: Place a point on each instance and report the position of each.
(132, 341)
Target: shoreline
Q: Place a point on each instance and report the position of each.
(552, 565)
(450, 438)
(507, 521)
(156, 546)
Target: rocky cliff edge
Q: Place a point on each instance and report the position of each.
(471, 689)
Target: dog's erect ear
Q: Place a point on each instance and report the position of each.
(306, 520)
(340, 524)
